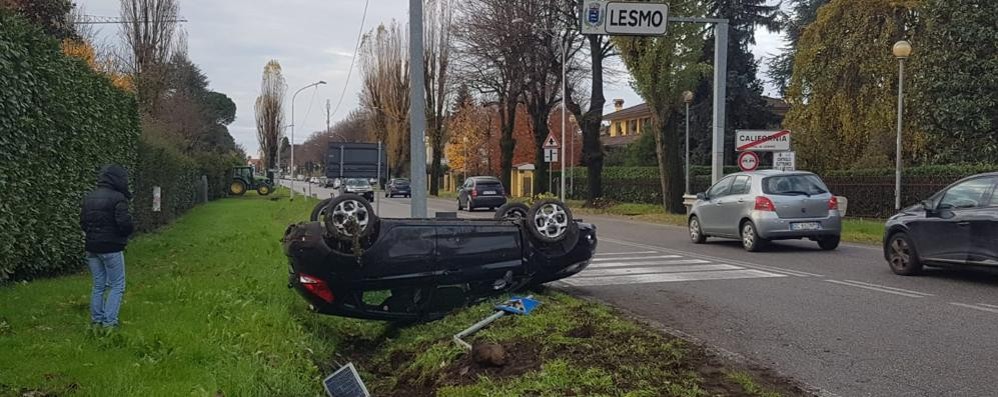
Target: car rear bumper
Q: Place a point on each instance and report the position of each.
(772, 227)
(488, 201)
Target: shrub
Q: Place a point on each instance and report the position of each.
(59, 123)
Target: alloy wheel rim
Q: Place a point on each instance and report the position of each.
(515, 214)
(551, 220)
(348, 213)
(900, 254)
(748, 236)
(694, 229)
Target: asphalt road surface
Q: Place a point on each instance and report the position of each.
(839, 321)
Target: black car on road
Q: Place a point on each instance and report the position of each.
(956, 227)
(349, 262)
(481, 192)
(398, 187)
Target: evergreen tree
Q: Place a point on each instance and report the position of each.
(802, 13)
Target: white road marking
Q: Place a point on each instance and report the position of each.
(912, 294)
(636, 258)
(890, 288)
(987, 305)
(667, 277)
(649, 263)
(599, 254)
(601, 272)
(797, 273)
(981, 308)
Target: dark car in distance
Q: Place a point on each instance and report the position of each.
(957, 226)
(481, 192)
(398, 187)
(348, 262)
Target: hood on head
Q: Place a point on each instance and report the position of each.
(114, 177)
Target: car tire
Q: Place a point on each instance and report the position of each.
(263, 190)
(319, 210)
(342, 211)
(237, 188)
(512, 212)
(459, 206)
(550, 221)
(696, 231)
(829, 243)
(750, 238)
(902, 256)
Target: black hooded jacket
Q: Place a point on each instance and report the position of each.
(104, 213)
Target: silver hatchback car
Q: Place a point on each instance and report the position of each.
(761, 206)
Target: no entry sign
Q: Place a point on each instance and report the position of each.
(748, 161)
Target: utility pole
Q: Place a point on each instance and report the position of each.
(417, 111)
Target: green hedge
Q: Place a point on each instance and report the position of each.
(947, 170)
(59, 123)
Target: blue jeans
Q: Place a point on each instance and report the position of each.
(108, 271)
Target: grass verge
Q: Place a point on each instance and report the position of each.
(856, 230)
(207, 312)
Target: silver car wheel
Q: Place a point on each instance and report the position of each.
(515, 214)
(900, 254)
(551, 221)
(347, 213)
(748, 235)
(695, 229)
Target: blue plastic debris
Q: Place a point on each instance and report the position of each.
(519, 305)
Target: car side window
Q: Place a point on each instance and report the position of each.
(721, 189)
(741, 185)
(969, 194)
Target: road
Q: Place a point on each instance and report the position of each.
(839, 321)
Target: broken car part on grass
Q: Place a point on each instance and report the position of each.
(348, 262)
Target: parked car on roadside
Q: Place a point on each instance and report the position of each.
(957, 226)
(349, 262)
(359, 186)
(760, 206)
(481, 192)
(398, 187)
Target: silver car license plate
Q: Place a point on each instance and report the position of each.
(805, 226)
(489, 192)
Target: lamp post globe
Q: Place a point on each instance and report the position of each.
(902, 49)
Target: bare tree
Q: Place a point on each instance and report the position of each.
(149, 32)
(491, 51)
(385, 71)
(436, 61)
(270, 112)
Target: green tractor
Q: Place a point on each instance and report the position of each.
(243, 179)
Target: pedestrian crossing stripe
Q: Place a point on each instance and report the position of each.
(646, 267)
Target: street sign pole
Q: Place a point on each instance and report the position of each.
(417, 111)
(720, 91)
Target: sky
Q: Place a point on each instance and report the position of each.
(232, 40)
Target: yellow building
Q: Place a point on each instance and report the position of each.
(629, 121)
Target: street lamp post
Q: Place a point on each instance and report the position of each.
(465, 140)
(901, 50)
(292, 143)
(687, 98)
(564, 91)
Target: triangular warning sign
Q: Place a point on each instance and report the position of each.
(550, 142)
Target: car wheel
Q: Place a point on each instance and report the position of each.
(829, 243)
(237, 188)
(550, 221)
(459, 206)
(263, 190)
(512, 212)
(349, 217)
(319, 210)
(696, 233)
(750, 238)
(901, 255)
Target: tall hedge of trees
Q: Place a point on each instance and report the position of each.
(59, 123)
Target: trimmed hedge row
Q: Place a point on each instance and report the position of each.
(59, 123)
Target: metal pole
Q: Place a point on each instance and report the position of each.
(687, 148)
(417, 110)
(291, 166)
(897, 176)
(720, 92)
(564, 90)
(377, 187)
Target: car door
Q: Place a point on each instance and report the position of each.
(984, 231)
(733, 205)
(944, 236)
(710, 213)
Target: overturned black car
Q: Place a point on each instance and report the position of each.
(348, 262)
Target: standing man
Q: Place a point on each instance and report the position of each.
(105, 219)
